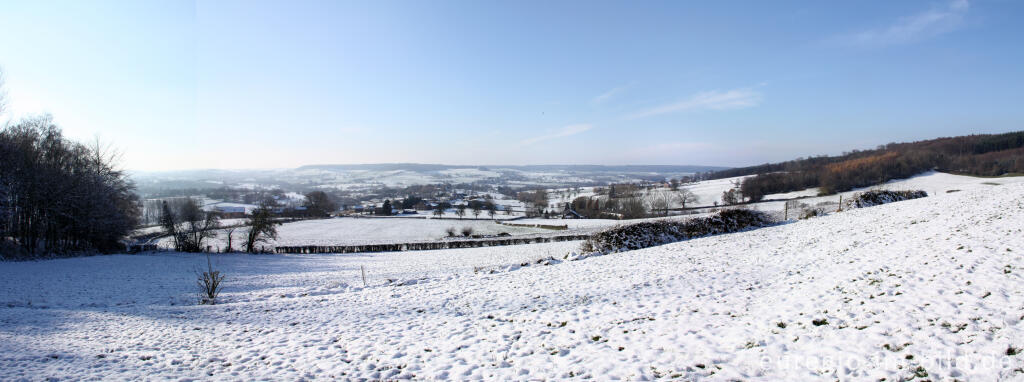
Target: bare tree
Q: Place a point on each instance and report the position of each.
(262, 227)
(659, 200)
(189, 225)
(230, 231)
(476, 210)
(730, 197)
(737, 189)
(439, 210)
(460, 210)
(491, 209)
(686, 197)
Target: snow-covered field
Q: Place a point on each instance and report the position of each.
(351, 231)
(932, 288)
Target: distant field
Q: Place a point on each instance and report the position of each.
(350, 231)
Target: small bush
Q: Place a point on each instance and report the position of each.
(649, 234)
(450, 231)
(209, 284)
(810, 212)
(878, 197)
(467, 231)
(1012, 351)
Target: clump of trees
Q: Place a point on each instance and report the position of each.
(538, 198)
(593, 207)
(188, 224)
(385, 209)
(319, 204)
(58, 196)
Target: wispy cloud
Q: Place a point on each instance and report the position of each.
(604, 97)
(710, 100)
(915, 27)
(563, 132)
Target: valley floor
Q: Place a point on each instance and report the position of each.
(929, 287)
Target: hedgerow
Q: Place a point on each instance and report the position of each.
(653, 233)
(877, 197)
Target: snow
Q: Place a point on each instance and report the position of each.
(870, 293)
(352, 231)
(710, 191)
(793, 194)
(213, 206)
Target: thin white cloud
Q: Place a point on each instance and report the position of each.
(563, 132)
(710, 100)
(604, 97)
(914, 28)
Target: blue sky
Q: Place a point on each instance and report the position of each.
(249, 84)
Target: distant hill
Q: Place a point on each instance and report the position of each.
(980, 155)
(528, 168)
(355, 177)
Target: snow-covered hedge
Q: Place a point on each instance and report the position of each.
(876, 197)
(649, 234)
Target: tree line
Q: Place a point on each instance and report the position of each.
(979, 155)
(58, 196)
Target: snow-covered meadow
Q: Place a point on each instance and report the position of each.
(371, 230)
(927, 288)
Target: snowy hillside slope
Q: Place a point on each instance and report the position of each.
(895, 291)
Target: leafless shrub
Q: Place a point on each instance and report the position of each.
(467, 231)
(209, 283)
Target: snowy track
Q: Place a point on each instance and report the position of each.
(882, 292)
